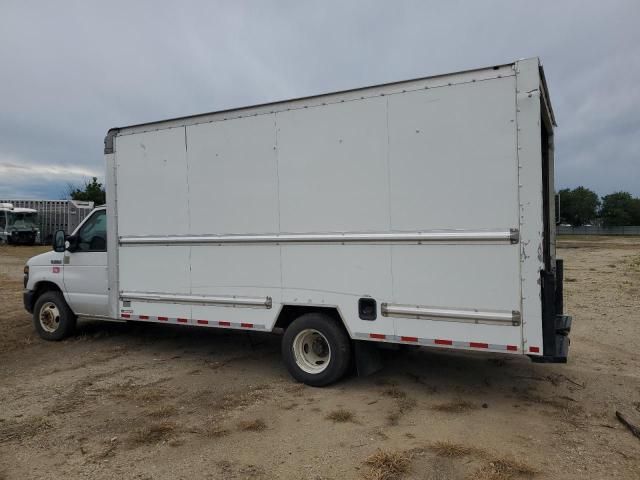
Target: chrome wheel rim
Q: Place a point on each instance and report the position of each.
(49, 317)
(311, 351)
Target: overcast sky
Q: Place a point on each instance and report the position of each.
(71, 70)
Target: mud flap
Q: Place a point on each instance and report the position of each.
(367, 358)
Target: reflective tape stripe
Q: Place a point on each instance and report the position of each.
(440, 342)
(187, 321)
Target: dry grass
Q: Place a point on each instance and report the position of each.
(452, 450)
(163, 412)
(455, 406)
(213, 429)
(256, 425)
(341, 415)
(153, 433)
(493, 467)
(25, 429)
(403, 405)
(503, 469)
(233, 400)
(394, 392)
(385, 465)
(136, 393)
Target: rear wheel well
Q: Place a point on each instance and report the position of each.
(289, 313)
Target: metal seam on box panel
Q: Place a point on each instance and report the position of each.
(451, 315)
(506, 236)
(228, 301)
(436, 342)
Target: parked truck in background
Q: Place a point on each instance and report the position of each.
(414, 213)
(53, 215)
(18, 226)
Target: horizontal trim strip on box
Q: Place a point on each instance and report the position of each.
(227, 301)
(452, 315)
(506, 236)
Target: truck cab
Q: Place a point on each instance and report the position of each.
(72, 278)
(18, 225)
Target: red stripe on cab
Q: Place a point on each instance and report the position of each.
(246, 325)
(125, 315)
(478, 345)
(409, 339)
(202, 322)
(182, 320)
(379, 336)
(224, 324)
(512, 348)
(534, 349)
(439, 341)
(143, 317)
(163, 319)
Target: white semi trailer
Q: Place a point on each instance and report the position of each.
(413, 213)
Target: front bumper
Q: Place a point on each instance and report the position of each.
(23, 238)
(27, 298)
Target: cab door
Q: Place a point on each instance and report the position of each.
(85, 269)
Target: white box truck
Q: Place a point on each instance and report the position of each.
(414, 213)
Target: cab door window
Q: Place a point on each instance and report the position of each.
(92, 237)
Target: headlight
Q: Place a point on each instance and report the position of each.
(26, 275)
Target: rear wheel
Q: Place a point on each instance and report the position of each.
(316, 349)
(52, 317)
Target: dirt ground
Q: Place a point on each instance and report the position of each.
(155, 402)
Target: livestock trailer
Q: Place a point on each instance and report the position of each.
(415, 213)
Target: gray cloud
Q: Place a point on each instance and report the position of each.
(71, 70)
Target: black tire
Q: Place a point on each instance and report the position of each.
(59, 322)
(327, 331)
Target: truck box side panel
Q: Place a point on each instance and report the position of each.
(452, 155)
(333, 171)
(233, 176)
(453, 164)
(441, 159)
(152, 183)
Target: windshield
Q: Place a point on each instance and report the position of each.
(22, 220)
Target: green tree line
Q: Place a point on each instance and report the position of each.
(582, 206)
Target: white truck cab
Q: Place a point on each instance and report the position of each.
(77, 273)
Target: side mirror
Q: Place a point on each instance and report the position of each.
(59, 241)
(71, 244)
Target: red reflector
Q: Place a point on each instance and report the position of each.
(246, 325)
(409, 339)
(512, 348)
(224, 324)
(163, 319)
(143, 317)
(478, 345)
(379, 336)
(438, 341)
(534, 349)
(202, 322)
(182, 320)
(125, 315)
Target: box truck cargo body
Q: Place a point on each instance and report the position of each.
(417, 212)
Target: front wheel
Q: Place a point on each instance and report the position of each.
(316, 349)
(52, 317)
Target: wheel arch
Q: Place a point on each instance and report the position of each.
(288, 313)
(44, 286)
